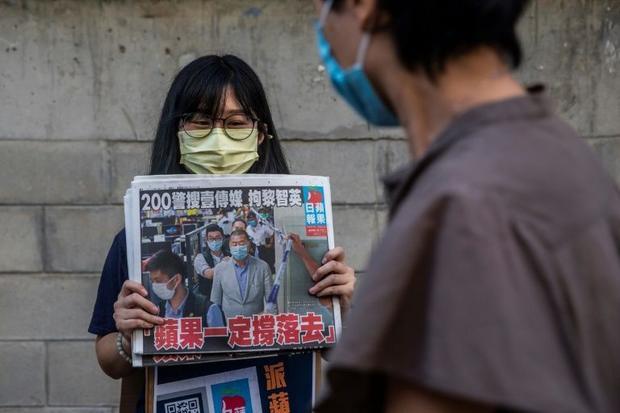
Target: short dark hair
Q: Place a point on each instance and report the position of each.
(245, 224)
(200, 87)
(167, 262)
(428, 33)
(240, 232)
(214, 228)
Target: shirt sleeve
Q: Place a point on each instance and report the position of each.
(268, 281)
(450, 303)
(216, 289)
(215, 317)
(113, 276)
(200, 264)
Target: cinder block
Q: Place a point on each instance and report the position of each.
(348, 164)
(559, 52)
(22, 382)
(38, 307)
(355, 230)
(606, 67)
(390, 156)
(608, 149)
(95, 75)
(75, 378)
(126, 161)
(78, 238)
(22, 243)
(37, 172)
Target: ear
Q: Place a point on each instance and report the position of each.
(263, 132)
(180, 279)
(369, 15)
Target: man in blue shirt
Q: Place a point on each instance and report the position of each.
(242, 285)
(166, 271)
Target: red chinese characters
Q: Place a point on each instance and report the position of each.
(240, 331)
(167, 335)
(263, 330)
(312, 328)
(287, 328)
(191, 336)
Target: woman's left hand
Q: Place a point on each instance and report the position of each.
(335, 277)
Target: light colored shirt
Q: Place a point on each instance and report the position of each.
(242, 277)
(259, 234)
(201, 264)
(213, 313)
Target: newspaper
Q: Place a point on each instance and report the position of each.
(282, 383)
(224, 301)
(164, 360)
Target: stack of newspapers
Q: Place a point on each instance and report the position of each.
(228, 261)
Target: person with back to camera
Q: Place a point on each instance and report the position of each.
(496, 287)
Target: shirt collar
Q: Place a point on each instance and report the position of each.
(534, 104)
(181, 307)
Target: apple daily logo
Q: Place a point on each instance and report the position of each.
(314, 211)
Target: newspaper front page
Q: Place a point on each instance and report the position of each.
(228, 261)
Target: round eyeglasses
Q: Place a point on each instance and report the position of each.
(237, 126)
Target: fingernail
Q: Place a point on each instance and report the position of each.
(312, 290)
(323, 261)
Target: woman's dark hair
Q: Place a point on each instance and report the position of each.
(200, 87)
(430, 32)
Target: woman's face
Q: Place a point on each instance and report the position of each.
(231, 116)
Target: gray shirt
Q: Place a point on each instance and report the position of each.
(498, 277)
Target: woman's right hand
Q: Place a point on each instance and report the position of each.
(133, 310)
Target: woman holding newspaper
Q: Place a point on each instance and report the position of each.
(216, 97)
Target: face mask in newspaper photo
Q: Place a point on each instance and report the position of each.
(163, 291)
(239, 252)
(215, 245)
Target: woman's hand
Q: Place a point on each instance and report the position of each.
(133, 310)
(335, 277)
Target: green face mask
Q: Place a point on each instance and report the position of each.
(217, 153)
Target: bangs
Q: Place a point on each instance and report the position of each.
(205, 91)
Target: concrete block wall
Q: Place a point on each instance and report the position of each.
(81, 84)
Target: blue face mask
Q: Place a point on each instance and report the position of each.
(215, 245)
(239, 252)
(353, 84)
(252, 223)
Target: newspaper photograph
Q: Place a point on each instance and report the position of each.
(228, 261)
